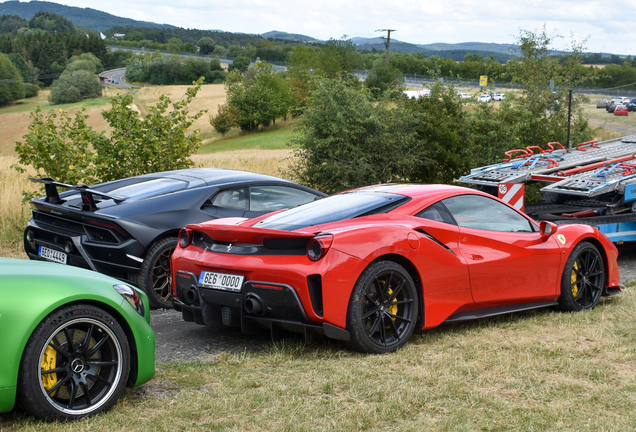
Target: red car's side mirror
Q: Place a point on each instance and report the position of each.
(547, 228)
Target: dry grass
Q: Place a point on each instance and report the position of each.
(15, 118)
(533, 371)
(271, 162)
(13, 214)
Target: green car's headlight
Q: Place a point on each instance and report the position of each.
(131, 297)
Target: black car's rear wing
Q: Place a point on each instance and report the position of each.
(88, 201)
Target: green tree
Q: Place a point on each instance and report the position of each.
(240, 63)
(206, 45)
(57, 146)
(174, 45)
(383, 80)
(135, 36)
(337, 57)
(51, 22)
(20, 64)
(259, 97)
(158, 142)
(347, 141)
(85, 65)
(540, 114)
(11, 87)
(226, 118)
(75, 86)
(70, 151)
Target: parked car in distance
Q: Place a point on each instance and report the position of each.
(71, 340)
(612, 105)
(498, 96)
(484, 98)
(464, 95)
(620, 110)
(128, 228)
(601, 103)
(630, 106)
(371, 265)
(623, 99)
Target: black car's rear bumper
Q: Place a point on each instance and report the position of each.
(117, 259)
(259, 305)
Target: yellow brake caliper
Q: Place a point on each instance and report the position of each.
(393, 309)
(575, 286)
(49, 360)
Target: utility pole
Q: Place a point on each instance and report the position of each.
(388, 42)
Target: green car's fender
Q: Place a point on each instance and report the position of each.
(30, 291)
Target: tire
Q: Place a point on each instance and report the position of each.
(96, 364)
(583, 278)
(154, 275)
(382, 320)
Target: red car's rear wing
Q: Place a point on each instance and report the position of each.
(53, 197)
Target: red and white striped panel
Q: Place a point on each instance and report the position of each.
(512, 193)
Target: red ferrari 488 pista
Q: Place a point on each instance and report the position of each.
(371, 265)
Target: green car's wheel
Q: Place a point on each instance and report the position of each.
(583, 278)
(75, 364)
(383, 308)
(155, 277)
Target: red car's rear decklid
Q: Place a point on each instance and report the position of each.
(244, 234)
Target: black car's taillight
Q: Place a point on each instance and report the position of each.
(185, 237)
(318, 247)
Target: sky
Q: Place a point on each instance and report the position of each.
(604, 26)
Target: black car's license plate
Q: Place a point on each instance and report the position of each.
(51, 255)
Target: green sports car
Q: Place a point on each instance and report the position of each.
(70, 339)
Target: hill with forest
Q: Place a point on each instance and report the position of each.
(499, 52)
(82, 17)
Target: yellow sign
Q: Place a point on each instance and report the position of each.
(483, 80)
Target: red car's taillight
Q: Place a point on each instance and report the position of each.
(185, 237)
(318, 247)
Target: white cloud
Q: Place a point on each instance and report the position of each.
(452, 21)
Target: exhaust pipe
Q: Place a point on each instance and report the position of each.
(191, 296)
(253, 304)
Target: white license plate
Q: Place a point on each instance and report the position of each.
(52, 255)
(222, 281)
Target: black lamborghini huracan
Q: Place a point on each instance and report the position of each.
(128, 228)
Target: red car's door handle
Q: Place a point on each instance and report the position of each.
(476, 257)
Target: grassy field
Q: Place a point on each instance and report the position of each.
(15, 117)
(533, 371)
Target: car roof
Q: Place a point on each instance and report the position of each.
(418, 190)
(213, 176)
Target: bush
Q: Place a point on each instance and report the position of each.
(347, 141)
(74, 87)
(226, 119)
(31, 90)
(60, 147)
(11, 87)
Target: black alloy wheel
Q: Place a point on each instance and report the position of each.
(155, 277)
(75, 364)
(583, 278)
(383, 308)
